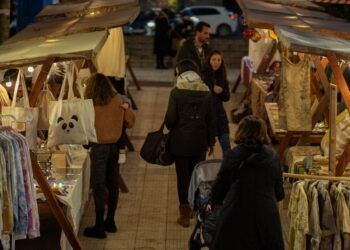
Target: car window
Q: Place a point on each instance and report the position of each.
(186, 13)
(204, 11)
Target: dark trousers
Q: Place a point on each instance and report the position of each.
(104, 174)
(184, 167)
(160, 61)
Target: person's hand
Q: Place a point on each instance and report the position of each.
(207, 207)
(210, 150)
(125, 105)
(218, 89)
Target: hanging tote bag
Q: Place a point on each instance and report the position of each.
(44, 99)
(25, 115)
(155, 149)
(66, 123)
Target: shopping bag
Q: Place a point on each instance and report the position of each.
(155, 149)
(44, 99)
(26, 117)
(67, 121)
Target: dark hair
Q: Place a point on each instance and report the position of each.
(186, 65)
(11, 75)
(252, 130)
(200, 25)
(222, 70)
(99, 89)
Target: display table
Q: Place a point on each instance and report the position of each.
(74, 181)
(260, 86)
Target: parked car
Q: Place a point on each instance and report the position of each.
(222, 22)
(140, 23)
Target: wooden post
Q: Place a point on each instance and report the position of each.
(239, 78)
(40, 80)
(332, 128)
(339, 79)
(133, 76)
(284, 143)
(54, 206)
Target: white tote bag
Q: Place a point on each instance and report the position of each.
(24, 115)
(67, 117)
(44, 99)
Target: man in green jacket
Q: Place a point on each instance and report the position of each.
(197, 48)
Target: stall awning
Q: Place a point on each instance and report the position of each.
(332, 1)
(266, 15)
(66, 19)
(312, 42)
(35, 51)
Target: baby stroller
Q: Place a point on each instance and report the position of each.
(199, 193)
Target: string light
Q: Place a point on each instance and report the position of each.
(30, 69)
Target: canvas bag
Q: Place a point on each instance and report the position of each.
(66, 123)
(24, 115)
(88, 114)
(44, 99)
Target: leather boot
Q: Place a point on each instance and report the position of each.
(185, 215)
(96, 231)
(109, 224)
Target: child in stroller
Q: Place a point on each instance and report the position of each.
(199, 194)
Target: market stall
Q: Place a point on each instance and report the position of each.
(86, 35)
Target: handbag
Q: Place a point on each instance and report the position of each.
(44, 99)
(155, 149)
(68, 117)
(26, 115)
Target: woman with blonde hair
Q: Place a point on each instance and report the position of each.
(249, 185)
(110, 113)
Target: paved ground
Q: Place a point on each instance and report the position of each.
(146, 216)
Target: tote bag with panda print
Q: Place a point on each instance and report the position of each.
(67, 117)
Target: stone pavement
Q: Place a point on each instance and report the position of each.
(146, 216)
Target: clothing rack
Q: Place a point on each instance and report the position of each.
(315, 177)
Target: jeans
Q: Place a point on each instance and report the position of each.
(184, 167)
(104, 174)
(224, 141)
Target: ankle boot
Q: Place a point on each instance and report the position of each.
(97, 231)
(185, 215)
(109, 223)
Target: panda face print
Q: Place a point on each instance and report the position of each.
(67, 126)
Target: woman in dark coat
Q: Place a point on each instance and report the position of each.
(250, 182)
(189, 118)
(214, 75)
(162, 44)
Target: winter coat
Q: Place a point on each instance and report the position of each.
(189, 116)
(162, 44)
(221, 121)
(188, 51)
(250, 218)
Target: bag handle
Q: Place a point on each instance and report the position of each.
(20, 80)
(69, 77)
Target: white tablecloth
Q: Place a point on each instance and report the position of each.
(77, 196)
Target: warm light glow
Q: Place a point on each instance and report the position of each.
(30, 69)
(8, 84)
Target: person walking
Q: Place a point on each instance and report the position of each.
(189, 118)
(250, 181)
(162, 44)
(197, 48)
(109, 118)
(215, 76)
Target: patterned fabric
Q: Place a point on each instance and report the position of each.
(295, 109)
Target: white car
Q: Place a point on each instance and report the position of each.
(222, 22)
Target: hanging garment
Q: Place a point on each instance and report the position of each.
(327, 220)
(4, 97)
(298, 211)
(315, 232)
(294, 99)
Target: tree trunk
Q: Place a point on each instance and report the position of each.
(4, 21)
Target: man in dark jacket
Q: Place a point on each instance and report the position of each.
(197, 48)
(189, 118)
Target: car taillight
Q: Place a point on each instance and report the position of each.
(232, 16)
